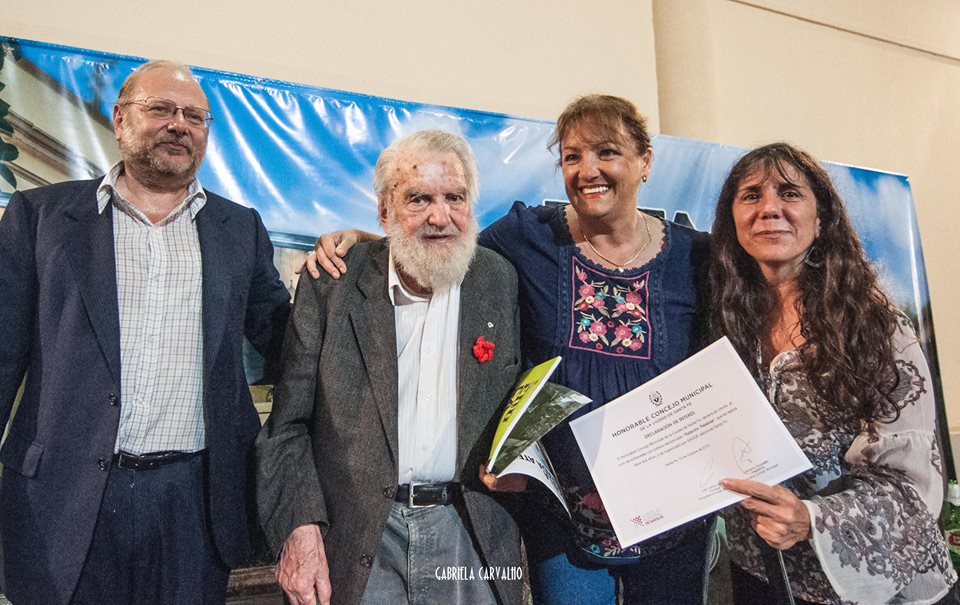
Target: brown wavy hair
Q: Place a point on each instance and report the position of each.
(846, 320)
(608, 116)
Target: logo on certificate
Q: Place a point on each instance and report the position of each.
(647, 518)
(656, 399)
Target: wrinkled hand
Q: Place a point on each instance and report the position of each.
(329, 251)
(509, 483)
(302, 570)
(778, 516)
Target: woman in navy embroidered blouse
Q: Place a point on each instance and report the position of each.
(617, 293)
(614, 330)
(618, 322)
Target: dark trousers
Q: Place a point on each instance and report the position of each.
(152, 543)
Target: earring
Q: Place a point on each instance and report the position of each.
(644, 178)
(813, 256)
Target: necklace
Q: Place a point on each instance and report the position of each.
(627, 262)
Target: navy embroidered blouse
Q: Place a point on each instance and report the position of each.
(614, 330)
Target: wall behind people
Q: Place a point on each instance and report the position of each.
(524, 58)
(877, 87)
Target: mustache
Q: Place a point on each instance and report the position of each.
(177, 139)
(428, 230)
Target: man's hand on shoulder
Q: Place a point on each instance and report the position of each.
(302, 570)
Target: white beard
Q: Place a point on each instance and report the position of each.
(434, 266)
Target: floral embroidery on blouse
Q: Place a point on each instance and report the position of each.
(610, 313)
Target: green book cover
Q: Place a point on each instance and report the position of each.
(535, 407)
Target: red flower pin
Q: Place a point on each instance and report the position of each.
(483, 349)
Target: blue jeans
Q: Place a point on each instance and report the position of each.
(425, 557)
(573, 577)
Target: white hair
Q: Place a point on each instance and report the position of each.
(436, 141)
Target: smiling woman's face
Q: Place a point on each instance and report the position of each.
(776, 219)
(601, 174)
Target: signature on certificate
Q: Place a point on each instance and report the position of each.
(707, 476)
(742, 454)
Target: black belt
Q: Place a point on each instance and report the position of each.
(416, 495)
(146, 462)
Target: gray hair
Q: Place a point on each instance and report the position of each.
(131, 82)
(437, 141)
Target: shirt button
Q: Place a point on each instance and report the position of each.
(102, 464)
(389, 492)
(366, 560)
(113, 399)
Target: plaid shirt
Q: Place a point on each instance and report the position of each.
(159, 292)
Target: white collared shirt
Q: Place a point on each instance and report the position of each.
(159, 296)
(427, 332)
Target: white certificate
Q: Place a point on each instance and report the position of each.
(657, 453)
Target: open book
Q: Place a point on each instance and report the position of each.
(535, 407)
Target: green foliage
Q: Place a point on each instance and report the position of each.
(8, 152)
(7, 175)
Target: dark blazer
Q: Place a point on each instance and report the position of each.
(59, 325)
(328, 452)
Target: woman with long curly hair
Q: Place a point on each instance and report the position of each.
(797, 297)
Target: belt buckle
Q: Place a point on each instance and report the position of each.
(125, 461)
(411, 491)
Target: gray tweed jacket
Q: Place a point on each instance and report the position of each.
(328, 453)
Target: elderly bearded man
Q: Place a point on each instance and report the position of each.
(126, 300)
(368, 465)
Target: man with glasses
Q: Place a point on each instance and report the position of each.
(126, 300)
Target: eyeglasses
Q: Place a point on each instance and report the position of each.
(165, 109)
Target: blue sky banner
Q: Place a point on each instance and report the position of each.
(304, 156)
